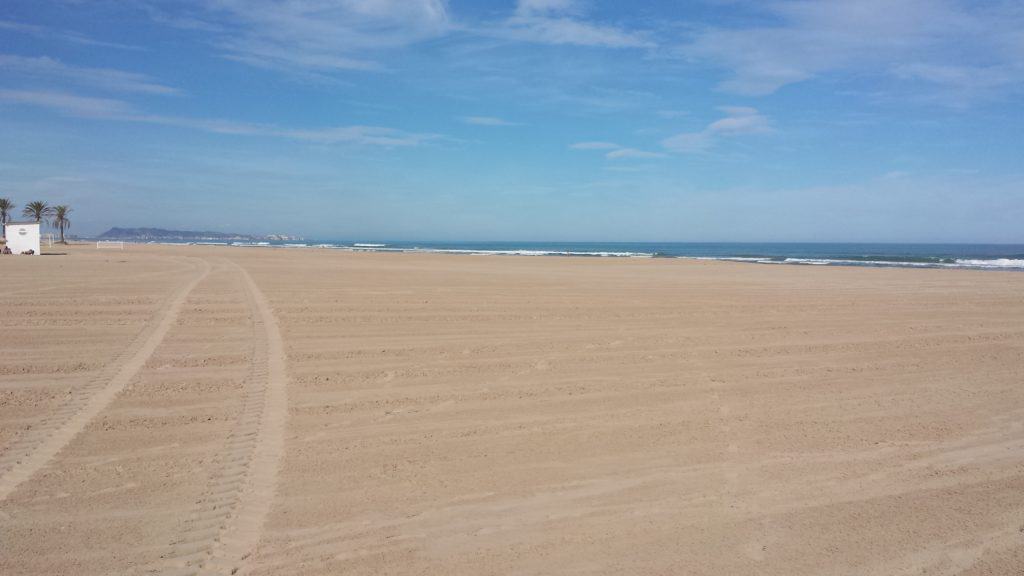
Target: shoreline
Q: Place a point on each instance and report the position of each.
(1013, 264)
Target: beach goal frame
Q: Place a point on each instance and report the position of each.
(109, 244)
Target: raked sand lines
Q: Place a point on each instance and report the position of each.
(27, 454)
(64, 285)
(224, 527)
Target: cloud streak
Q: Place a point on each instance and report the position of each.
(620, 153)
(103, 78)
(486, 121)
(47, 33)
(614, 151)
(738, 121)
(568, 31)
(68, 104)
(312, 34)
(561, 22)
(594, 146)
(318, 37)
(117, 110)
(947, 43)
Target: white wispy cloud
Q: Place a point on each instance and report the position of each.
(552, 30)
(69, 104)
(48, 33)
(672, 114)
(950, 43)
(318, 38)
(615, 151)
(313, 34)
(286, 58)
(632, 153)
(532, 7)
(594, 146)
(487, 121)
(104, 78)
(563, 22)
(960, 85)
(182, 20)
(738, 120)
(118, 110)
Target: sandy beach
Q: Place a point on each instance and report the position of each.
(217, 410)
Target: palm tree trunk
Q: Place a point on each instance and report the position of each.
(62, 234)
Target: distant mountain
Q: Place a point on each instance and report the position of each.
(184, 235)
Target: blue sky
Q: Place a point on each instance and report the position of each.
(709, 120)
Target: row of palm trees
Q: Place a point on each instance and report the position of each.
(41, 212)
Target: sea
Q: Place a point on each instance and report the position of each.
(969, 256)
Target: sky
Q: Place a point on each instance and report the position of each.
(571, 120)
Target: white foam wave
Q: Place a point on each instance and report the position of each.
(601, 254)
(483, 252)
(725, 258)
(993, 263)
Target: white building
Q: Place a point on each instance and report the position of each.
(22, 237)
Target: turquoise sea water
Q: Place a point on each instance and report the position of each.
(977, 256)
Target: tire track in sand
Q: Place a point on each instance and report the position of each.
(225, 525)
(34, 449)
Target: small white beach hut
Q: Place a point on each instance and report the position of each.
(22, 237)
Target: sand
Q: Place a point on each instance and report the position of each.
(215, 410)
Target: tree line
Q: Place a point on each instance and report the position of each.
(41, 212)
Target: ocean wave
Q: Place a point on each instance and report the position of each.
(756, 259)
(1009, 263)
(908, 263)
(886, 262)
(488, 252)
(597, 254)
(865, 260)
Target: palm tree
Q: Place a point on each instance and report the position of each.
(37, 210)
(60, 220)
(6, 207)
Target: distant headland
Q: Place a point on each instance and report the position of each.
(185, 235)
